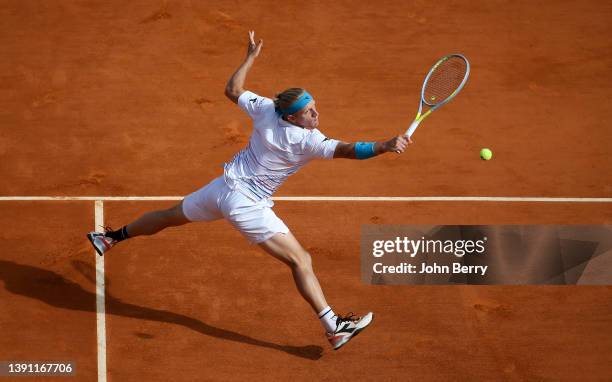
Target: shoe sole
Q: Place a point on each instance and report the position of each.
(91, 240)
(355, 333)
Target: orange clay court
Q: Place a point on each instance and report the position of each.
(125, 99)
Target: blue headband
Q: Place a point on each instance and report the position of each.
(299, 104)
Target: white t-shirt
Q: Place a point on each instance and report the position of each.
(276, 150)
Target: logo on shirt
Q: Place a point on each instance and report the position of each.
(253, 100)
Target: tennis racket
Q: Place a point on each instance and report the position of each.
(443, 82)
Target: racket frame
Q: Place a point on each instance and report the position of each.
(419, 118)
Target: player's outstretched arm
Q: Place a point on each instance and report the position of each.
(365, 150)
(235, 85)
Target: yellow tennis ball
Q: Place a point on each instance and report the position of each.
(486, 154)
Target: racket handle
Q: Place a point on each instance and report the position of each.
(412, 128)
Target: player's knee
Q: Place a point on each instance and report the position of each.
(174, 215)
(301, 260)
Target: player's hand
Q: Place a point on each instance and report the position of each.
(397, 144)
(253, 49)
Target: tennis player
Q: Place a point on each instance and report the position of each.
(284, 138)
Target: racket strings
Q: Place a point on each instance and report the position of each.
(444, 80)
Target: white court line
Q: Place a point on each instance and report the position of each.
(439, 199)
(100, 300)
(89, 198)
(328, 199)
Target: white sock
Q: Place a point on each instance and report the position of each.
(328, 319)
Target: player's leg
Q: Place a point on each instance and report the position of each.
(148, 224)
(198, 206)
(257, 221)
(155, 221)
(339, 330)
(259, 224)
(287, 249)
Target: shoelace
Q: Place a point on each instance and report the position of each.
(350, 316)
(106, 228)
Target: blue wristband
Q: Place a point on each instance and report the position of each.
(364, 150)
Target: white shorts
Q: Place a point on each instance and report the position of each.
(255, 220)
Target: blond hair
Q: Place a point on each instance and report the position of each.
(285, 99)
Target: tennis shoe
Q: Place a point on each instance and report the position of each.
(348, 327)
(101, 242)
